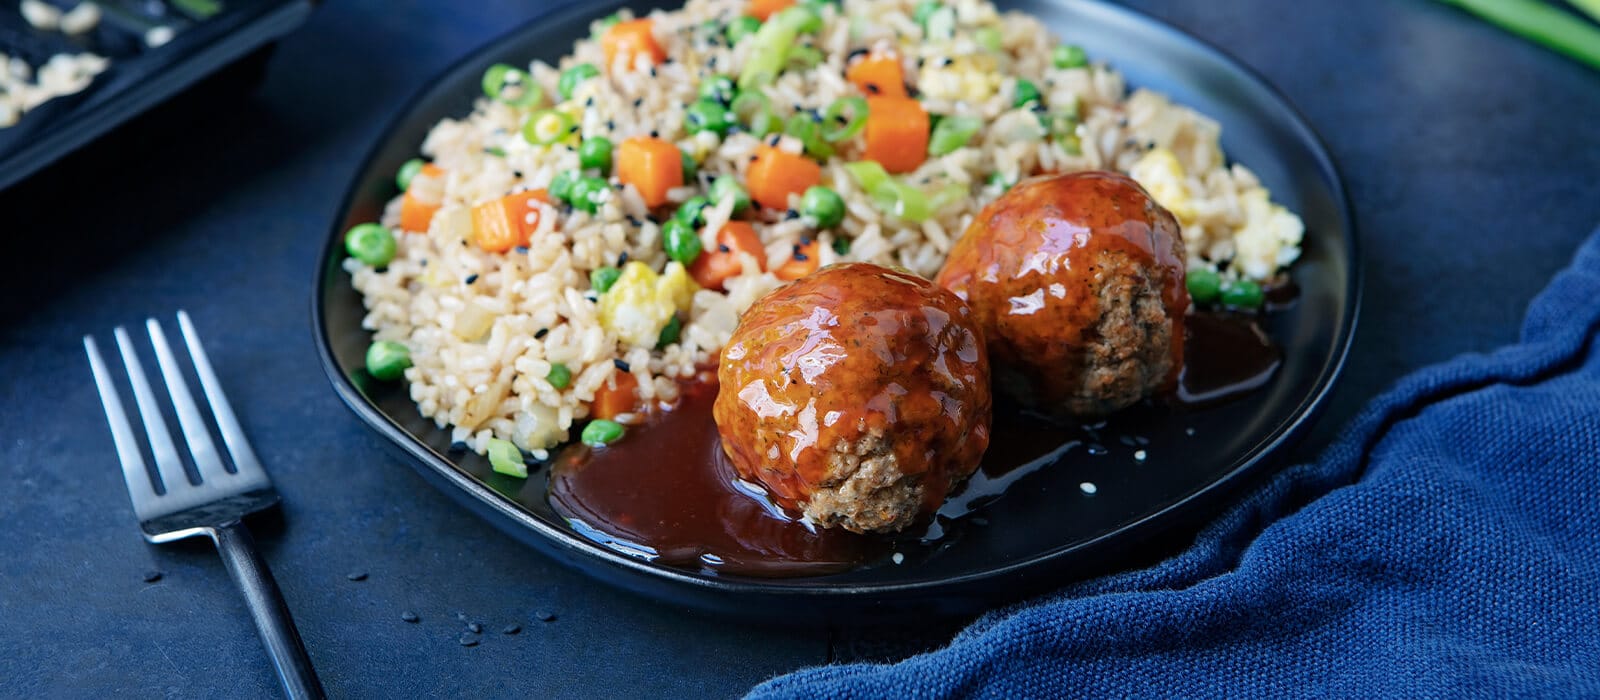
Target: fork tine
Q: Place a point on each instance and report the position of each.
(133, 468)
(244, 457)
(155, 427)
(195, 432)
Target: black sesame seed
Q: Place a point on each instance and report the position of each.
(472, 278)
(611, 125)
(857, 52)
(474, 628)
(544, 616)
(410, 617)
(946, 61)
(458, 447)
(790, 214)
(356, 576)
(806, 240)
(800, 256)
(637, 102)
(655, 134)
(521, 249)
(424, 262)
(152, 576)
(873, 89)
(722, 248)
(1150, 145)
(774, 140)
(589, 102)
(619, 364)
(652, 71)
(712, 62)
(623, 258)
(516, 174)
(756, 158)
(468, 640)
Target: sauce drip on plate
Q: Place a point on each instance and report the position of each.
(667, 493)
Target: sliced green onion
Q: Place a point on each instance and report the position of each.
(803, 126)
(1064, 129)
(604, 23)
(771, 43)
(740, 28)
(901, 200)
(754, 110)
(867, 173)
(1026, 92)
(841, 246)
(506, 458)
(952, 133)
(546, 127)
(923, 11)
(572, 77)
(602, 278)
(989, 38)
(719, 89)
(803, 57)
(511, 85)
(835, 127)
(1069, 56)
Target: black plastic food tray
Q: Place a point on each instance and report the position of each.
(138, 77)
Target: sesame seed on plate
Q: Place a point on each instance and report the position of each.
(1088, 488)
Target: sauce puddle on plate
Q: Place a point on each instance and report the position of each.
(666, 492)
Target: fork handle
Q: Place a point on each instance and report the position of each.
(271, 615)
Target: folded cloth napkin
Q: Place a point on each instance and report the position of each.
(1447, 545)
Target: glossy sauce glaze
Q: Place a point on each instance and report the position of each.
(1044, 267)
(858, 395)
(667, 493)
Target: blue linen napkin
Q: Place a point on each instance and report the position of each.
(1447, 545)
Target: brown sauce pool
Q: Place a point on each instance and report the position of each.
(667, 494)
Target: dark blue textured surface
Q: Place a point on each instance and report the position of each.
(1444, 546)
(1471, 158)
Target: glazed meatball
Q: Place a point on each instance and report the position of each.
(858, 395)
(1077, 284)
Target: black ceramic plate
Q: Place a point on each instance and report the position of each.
(1046, 528)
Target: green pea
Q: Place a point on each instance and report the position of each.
(1026, 92)
(588, 193)
(372, 244)
(727, 186)
(407, 171)
(572, 77)
(1069, 56)
(388, 360)
(692, 212)
(719, 89)
(740, 28)
(923, 11)
(1204, 284)
(599, 433)
(680, 240)
(559, 376)
(706, 115)
(1242, 294)
(561, 187)
(823, 206)
(841, 246)
(670, 332)
(506, 459)
(595, 153)
(605, 23)
(690, 168)
(602, 278)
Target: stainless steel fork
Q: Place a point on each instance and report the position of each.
(212, 507)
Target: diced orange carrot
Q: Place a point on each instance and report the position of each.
(631, 38)
(762, 9)
(617, 396)
(802, 262)
(897, 133)
(652, 166)
(775, 174)
(416, 213)
(507, 222)
(715, 266)
(878, 75)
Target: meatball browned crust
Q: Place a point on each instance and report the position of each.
(858, 395)
(1077, 282)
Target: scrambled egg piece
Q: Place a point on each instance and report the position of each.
(965, 78)
(1270, 237)
(1160, 173)
(642, 302)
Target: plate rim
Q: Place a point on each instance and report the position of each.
(570, 543)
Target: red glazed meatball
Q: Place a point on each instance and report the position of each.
(1077, 284)
(858, 395)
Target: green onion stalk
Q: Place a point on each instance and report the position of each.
(1543, 24)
